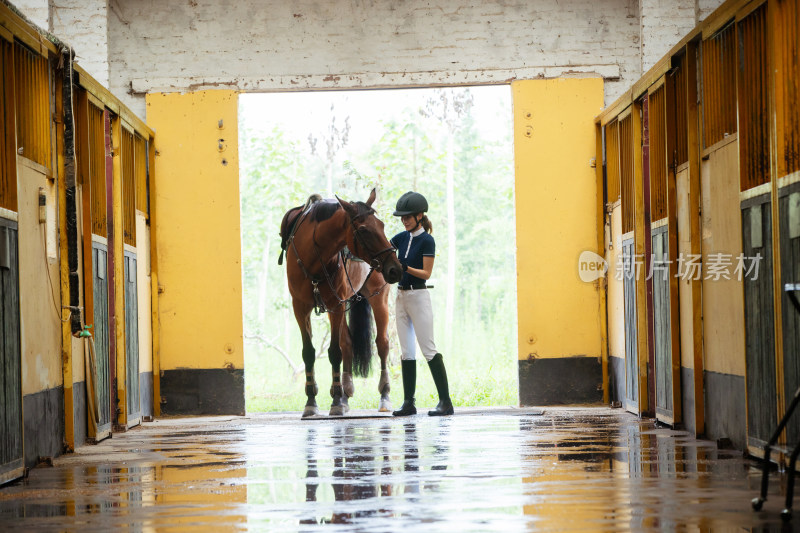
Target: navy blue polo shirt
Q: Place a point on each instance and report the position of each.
(410, 251)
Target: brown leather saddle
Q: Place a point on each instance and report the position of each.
(291, 221)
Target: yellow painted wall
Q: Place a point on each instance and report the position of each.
(554, 142)
(723, 300)
(197, 187)
(39, 300)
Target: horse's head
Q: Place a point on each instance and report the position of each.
(367, 241)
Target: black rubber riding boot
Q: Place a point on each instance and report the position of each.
(439, 374)
(409, 388)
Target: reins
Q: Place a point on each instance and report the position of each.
(374, 264)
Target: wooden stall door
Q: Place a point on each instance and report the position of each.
(631, 340)
(662, 330)
(789, 211)
(762, 403)
(101, 339)
(11, 427)
(132, 340)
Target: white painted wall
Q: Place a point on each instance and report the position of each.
(83, 24)
(37, 11)
(663, 24)
(140, 46)
(277, 45)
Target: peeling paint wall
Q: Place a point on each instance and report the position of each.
(37, 11)
(663, 24)
(275, 45)
(704, 8)
(83, 24)
(141, 46)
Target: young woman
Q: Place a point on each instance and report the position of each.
(416, 250)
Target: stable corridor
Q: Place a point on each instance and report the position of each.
(481, 470)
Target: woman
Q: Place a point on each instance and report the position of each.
(416, 251)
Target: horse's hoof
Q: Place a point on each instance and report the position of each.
(347, 384)
(385, 406)
(337, 410)
(310, 410)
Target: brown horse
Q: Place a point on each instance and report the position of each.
(323, 277)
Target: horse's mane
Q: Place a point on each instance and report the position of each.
(325, 209)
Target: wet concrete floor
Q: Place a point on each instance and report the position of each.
(581, 469)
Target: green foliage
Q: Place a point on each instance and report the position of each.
(279, 171)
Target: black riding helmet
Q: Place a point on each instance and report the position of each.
(411, 203)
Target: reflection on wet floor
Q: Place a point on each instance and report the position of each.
(583, 469)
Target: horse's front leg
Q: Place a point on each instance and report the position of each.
(309, 357)
(339, 404)
(380, 310)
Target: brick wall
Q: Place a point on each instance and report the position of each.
(278, 45)
(84, 25)
(141, 46)
(663, 24)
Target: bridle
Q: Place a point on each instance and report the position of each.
(375, 263)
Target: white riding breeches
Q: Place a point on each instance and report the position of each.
(414, 315)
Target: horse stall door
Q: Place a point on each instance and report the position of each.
(11, 428)
(132, 340)
(102, 347)
(661, 325)
(631, 340)
(758, 317)
(756, 202)
(662, 185)
(789, 212)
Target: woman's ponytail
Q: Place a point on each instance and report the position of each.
(426, 224)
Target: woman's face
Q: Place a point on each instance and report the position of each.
(410, 221)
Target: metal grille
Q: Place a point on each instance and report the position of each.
(626, 171)
(8, 166)
(612, 161)
(679, 140)
(128, 188)
(32, 76)
(753, 78)
(97, 170)
(787, 41)
(140, 168)
(719, 86)
(658, 154)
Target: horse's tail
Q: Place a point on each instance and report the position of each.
(360, 327)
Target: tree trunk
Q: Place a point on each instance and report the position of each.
(263, 283)
(451, 243)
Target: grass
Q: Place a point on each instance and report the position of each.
(473, 381)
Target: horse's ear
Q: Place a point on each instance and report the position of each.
(347, 206)
(371, 197)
